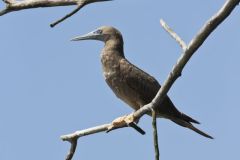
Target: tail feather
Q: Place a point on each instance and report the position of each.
(187, 124)
(188, 119)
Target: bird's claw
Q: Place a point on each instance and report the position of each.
(127, 120)
(121, 121)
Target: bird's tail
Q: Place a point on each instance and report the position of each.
(188, 119)
(185, 121)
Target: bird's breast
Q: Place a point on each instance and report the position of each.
(111, 72)
(116, 81)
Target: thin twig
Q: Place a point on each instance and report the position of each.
(12, 5)
(68, 15)
(173, 34)
(155, 134)
(81, 4)
(72, 149)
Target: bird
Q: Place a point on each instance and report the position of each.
(131, 84)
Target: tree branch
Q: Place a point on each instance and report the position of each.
(73, 137)
(12, 5)
(68, 15)
(101, 128)
(173, 34)
(85, 132)
(155, 134)
(194, 44)
(28, 4)
(72, 149)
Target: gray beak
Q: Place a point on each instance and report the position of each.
(89, 36)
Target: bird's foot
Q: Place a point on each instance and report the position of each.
(121, 122)
(124, 121)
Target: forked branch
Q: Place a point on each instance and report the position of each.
(12, 5)
(194, 44)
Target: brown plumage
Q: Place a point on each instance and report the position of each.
(131, 84)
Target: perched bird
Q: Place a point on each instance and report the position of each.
(131, 84)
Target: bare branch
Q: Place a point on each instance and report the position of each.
(72, 149)
(173, 34)
(155, 135)
(115, 124)
(195, 43)
(12, 5)
(120, 122)
(68, 15)
(27, 4)
(73, 137)
(79, 6)
(85, 132)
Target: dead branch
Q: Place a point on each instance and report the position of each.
(155, 135)
(194, 44)
(72, 149)
(173, 34)
(73, 137)
(12, 5)
(79, 6)
(101, 128)
(85, 132)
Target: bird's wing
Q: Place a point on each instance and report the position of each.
(144, 85)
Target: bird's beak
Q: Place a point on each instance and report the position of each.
(89, 36)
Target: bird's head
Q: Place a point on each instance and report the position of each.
(104, 33)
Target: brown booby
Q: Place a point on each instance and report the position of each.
(131, 84)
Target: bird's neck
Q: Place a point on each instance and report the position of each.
(114, 46)
(111, 56)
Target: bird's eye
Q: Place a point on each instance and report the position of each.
(99, 31)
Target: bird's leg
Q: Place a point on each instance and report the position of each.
(125, 121)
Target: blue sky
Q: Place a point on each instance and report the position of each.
(50, 86)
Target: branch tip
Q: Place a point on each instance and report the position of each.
(79, 6)
(173, 34)
(72, 149)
